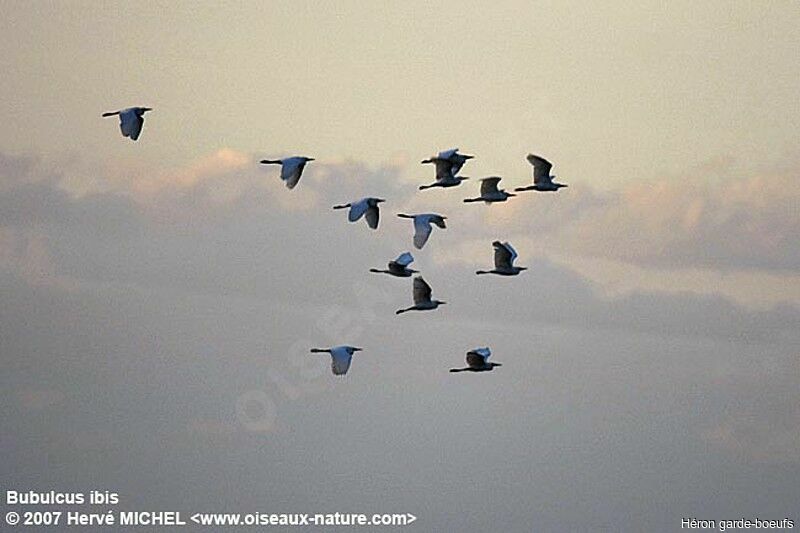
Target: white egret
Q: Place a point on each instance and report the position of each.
(504, 256)
(542, 180)
(448, 163)
(341, 356)
(399, 267)
(490, 193)
(365, 206)
(291, 168)
(131, 120)
(422, 298)
(478, 361)
(422, 226)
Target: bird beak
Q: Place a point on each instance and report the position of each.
(358, 349)
(469, 156)
(379, 200)
(147, 109)
(442, 303)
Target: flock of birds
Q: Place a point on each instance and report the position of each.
(448, 164)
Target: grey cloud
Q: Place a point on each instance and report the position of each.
(188, 302)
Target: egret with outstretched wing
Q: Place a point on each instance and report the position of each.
(341, 356)
(478, 361)
(542, 180)
(490, 193)
(422, 298)
(131, 120)
(504, 256)
(291, 168)
(366, 207)
(422, 226)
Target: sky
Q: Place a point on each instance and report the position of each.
(160, 296)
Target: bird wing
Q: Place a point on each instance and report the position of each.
(541, 169)
(458, 161)
(373, 216)
(422, 291)
(340, 360)
(503, 257)
(422, 230)
(357, 209)
(396, 268)
(476, 359)
(483, 352)
(291, 170)
(489, 185)
(444, 169)
(447, 154)
(512, 250)
(404, 259)
(130, 123)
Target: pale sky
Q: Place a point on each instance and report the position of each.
(630, 90)
(159, 297)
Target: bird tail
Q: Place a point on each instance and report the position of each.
(375, 270)
(403, 215)
(342, 206)
(457, 370)
(523, 189)
(271, 162)
(111, 113)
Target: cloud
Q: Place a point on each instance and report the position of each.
(758, 421)
(222, 222)
(691, 222)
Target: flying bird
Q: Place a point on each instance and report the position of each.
(422, 298)
(131, 120)
(448, 163)
(341, 356)
(422, 226)
(490, 193)
(291, 168)
(367, 207)
(399, 267)
(504, 256)
(542, 180)
(478, 361)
